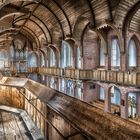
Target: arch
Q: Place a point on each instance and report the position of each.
(115, 95)
(132, 104)
(76, 52)
(62, 85)
(115, 100)
(6, 2)
(32, 59)
(32, 22)
(70, 87)
(129, 17)
(79, 27)
(37, 42)
(67, 55)
(42, 41)
(44, 53)
(108, 24)
(56, 51)
(18, 43)
(103, 41)
(79, 93)
(52, 58)
(115, 53)
(4, 58)
(53, 13)
(63, 11)
(9, 30)
(49, 36)
(101, 93)
(132, 53)
(12, 10)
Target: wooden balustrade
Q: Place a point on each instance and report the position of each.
(50, 71)
(118, 77)
(32, 70)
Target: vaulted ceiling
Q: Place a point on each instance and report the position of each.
(54, 20)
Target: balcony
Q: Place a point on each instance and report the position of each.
(109, 76)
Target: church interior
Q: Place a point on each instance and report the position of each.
(69, 70)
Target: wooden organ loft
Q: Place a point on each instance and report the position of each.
(69, 70)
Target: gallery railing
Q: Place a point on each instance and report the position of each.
(110, 76)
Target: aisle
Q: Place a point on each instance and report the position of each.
(12, 127)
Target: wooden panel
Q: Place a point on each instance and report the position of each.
(120, 77)
(11, 97)
(103, 75)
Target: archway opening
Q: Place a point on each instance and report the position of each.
(132, 105)
(132, 54)
(67, 52)
(115, 100)
(115, 54)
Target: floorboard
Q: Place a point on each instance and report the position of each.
(12, 127)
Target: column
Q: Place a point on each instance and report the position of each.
(138, 104)
(123, 62)
(107, 107)
(57, 83)
(106, 62)
(124, 105)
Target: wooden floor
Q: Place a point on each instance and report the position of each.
(12, 127)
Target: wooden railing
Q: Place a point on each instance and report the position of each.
(51, 71)
(14, 70)
(118, 77)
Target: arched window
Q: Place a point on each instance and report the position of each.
(115, 96)
(78, 58)
(132, 54)
(62, 86)
(52, 58)
(32, 60)
(132, 103)
(102, 93)
(115, 53)
(79, 90)
(66, 55)
(42, 60)
(3, 59)
(102, 56)
(70, 88)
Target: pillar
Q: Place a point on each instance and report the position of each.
(123, 62)
(138, 104)
(107, 107)
(124, 105)
(106, 62)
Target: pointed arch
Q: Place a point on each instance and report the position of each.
(102, 56)
(67, 55)
(132, 53)
(115, 53)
